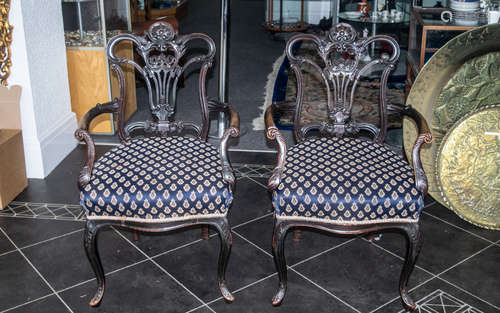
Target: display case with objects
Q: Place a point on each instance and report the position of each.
(88, 25)
(428, 33)
(285, 15)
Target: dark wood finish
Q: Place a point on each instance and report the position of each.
(205, 234)
(341, 78)
(411, 231)
(162, 50)
(92, 227)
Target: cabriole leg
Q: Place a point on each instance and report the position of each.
(279, 234)
(225, 249)
(90, 245)
(414, 238)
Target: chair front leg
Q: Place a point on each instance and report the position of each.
(226, 241)
(90, 244)
(278, 244)
(414, 239)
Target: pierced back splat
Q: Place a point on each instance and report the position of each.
(341, 53)
(165, 59)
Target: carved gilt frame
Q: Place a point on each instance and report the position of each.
(5, 41)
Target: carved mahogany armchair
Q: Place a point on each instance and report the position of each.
(158, 180)
(338, 182)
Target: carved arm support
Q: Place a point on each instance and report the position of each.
(232, 131)
(82, 134)
(424, 136)
(272, 133)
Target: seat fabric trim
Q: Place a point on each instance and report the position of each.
(337, 222)
(153, 220)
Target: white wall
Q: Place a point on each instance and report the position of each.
(39, 67)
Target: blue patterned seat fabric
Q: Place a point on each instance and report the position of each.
(151, 179)
(346, 181)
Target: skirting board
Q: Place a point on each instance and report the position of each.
(45, 153)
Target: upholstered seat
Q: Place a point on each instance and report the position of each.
(346, 181)
(158, 178)
(336, 181)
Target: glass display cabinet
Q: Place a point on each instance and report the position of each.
(88, 25)
(285, 15)
(428, 33)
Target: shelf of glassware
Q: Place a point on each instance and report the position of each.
(90, 78)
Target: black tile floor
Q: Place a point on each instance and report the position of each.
(43, 267)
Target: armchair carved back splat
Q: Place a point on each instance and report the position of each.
(165, 60)
(342, 53)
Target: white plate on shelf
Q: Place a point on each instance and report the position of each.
(352, 14)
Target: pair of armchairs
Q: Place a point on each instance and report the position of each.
(158, 180)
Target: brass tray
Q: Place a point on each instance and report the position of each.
(462, 76)
(468, 167)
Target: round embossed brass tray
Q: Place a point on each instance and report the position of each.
(468, 167)
(462, 76)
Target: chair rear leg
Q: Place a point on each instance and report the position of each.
(225, 249)
(297, 235)
(278, 245)
(204, 232)
(414, 239)
(90, 245)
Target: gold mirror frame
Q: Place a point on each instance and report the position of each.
(425, 93)
(5, 41)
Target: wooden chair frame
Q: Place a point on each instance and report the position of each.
(161, 74)
(343, 39)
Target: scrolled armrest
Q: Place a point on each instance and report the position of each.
(232, 131)
(82, 134)
(424, 136)
(86, 170)
(272, 133)
(100, 108)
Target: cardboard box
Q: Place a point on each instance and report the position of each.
(12, 167)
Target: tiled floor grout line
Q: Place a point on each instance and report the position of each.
(399, 257)
(26, 303)
(323, 252)
(119, 269)
(36, 270)
(163, 270)
(468, 292)
(41, 217)
(47, 208)
(298, 273)
(75, 285)
(409, 291)
(264, 278)
(52, 238)
(258, 183)
(43, 203)
(497, 243)
(433, 276)
(43, 241)
(451, 224)
(253, 244)
(324, 289)
(252, 220)
(466, 259)
(236, 291)
(180, 247)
